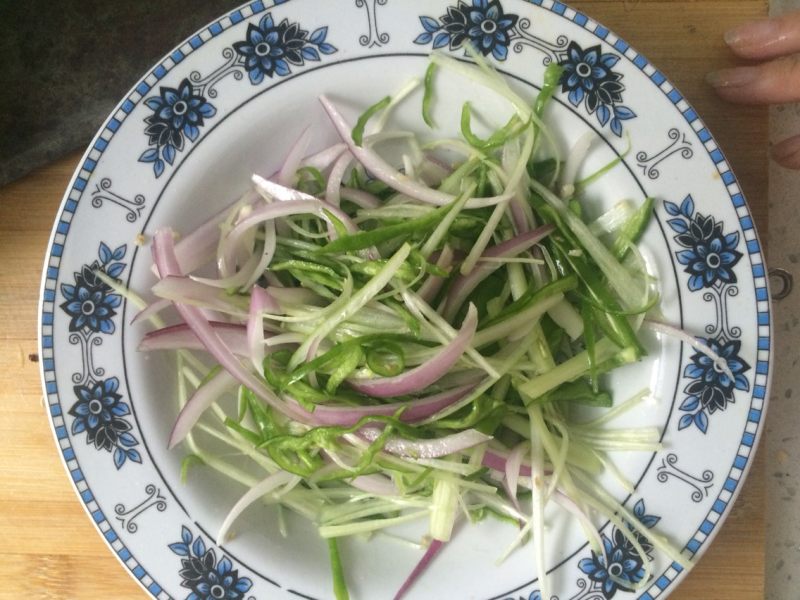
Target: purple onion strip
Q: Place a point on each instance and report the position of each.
(420, 377)
(382, 170)
(180, 337)
(463, 286)
(346, 416)
(203, 397)
(167, 264)
(294, 157)
(426, 559)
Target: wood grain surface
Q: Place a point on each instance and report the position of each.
(48, 546)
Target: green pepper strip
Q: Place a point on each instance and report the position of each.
(533, 296)
(590, 339)
(511, 129)
(580, 392)
(427, 96)
(616, 327)
(552, 75)
(339, 350)
(633, 229)
(358, 130)
(293, 453)
(365, 239)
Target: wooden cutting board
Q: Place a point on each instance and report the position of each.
(49, 548)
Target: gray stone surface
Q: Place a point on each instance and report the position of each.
(783, 417)
(64, 66)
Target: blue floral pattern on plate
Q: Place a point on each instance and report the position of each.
(619, 562)
(268, 49)
(178, 114)
(207, 578)
(588, 78)
(483, 24)
(709, 258)
(99, 411)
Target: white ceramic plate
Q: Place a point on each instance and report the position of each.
(187, 138)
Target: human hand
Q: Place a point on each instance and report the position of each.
(774, 81)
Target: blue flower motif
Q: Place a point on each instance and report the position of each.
(203, 575)
(711, 254)
(483, 24)
(178, 113)
(620, 566)
(712, 389)
(617, 564)
(89, 302)
(269, 49)
(588, 78)
(98, 412)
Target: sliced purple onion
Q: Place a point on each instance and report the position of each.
(431, 286)
(426, 374)
(426, 559)
(497, 461)
(271, 483)
(236, 280)
(294, 157)
(398, 181)
(270, 244)
(325, 157)
(519, 215)
(435, 448)
(151, 310)
(513, 464)
(167, 264)
(187, 291)
(333, 189)
(360, 198)
(347, 416)
(260, 302)
(180, 337)
(203, 397)
(463, 286)
(196, 248)
(275, 191)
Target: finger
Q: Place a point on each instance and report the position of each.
(775, 82)
(769, 38)
(787, 153)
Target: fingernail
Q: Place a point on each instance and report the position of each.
(736, 77)
(752, 33)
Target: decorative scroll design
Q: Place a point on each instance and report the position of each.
(679, 144)
(700, 484)
(132, 206)
(127, 517)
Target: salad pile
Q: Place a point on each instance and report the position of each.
(412, 339)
